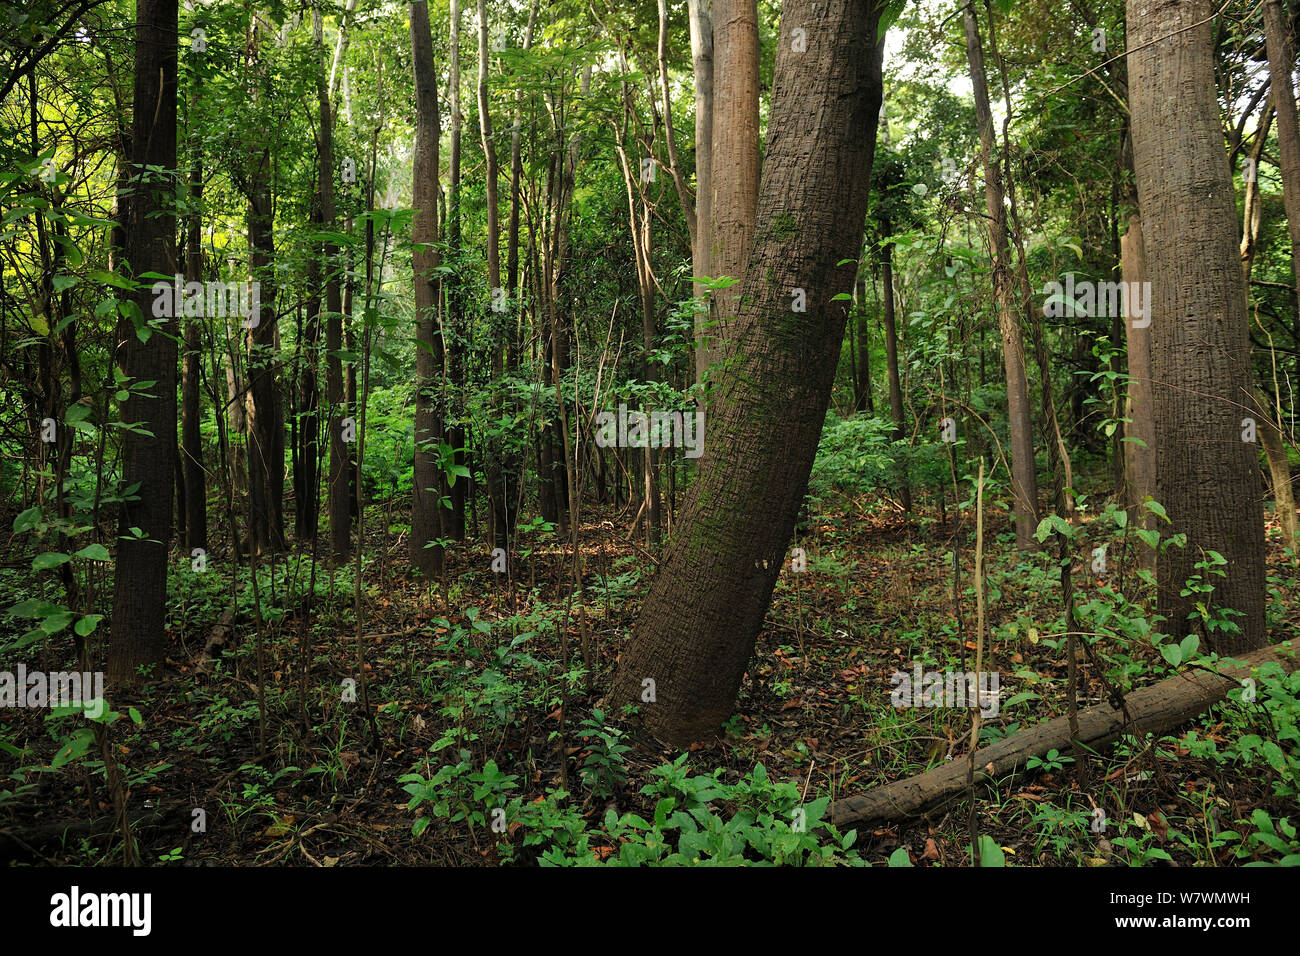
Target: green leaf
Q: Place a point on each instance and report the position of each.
(990, 853)
(28, 520)
(1156, 509)
(86, 625)
(94, 552)
(900, 858)
(50, 559)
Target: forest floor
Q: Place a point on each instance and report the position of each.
(467, 693)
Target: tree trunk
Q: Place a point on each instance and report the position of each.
(862, 399)
(1281, 62)
(1207, 476)
(700, 16)
(501, 489)
(891, 357)
(195, 478)
(137, 636)
(426, 514)
(452, 291)
(266, 428)
(734, 159)
(1140, 453)
(696, 632)
(1024, 478)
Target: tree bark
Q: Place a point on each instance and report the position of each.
(137, 634)
(700, 16)
(266, 428)
(1207, 476)
(734, 157)
(706, 606)
(1024, 478)
(426, 514)
(454, 345)
(195, 478)
(1281, 62)
(891, 357)
(1140, 453)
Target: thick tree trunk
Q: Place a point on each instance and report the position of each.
(1024, 478)
(1207, 476)
(696, 632)
(426, 515)
(137, 637)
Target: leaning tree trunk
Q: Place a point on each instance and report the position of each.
(1207, 476)
(426, 518)
(696, 632)
(137, 635)
(1024, 479)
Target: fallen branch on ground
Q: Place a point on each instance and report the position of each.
(1156, 709)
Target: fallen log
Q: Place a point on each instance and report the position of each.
(221, 634)
(1156, 709)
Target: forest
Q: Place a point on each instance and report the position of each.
(640, 433)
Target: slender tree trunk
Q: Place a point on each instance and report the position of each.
(137, 636)
(452, 290)
(195, 478)
(862, 399)
(501, 489)
(696, 633)
(1281, 62)
(426, 516)
(266, 428)
(1140, 452)
(1207, 476)
(891, 357)
(1024, 479)
(700, 16)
